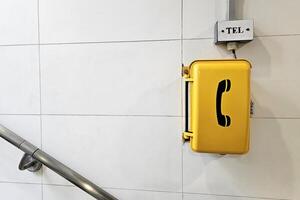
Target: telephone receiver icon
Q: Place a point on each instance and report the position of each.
(224, 86)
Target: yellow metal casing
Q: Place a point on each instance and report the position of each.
(219, 106)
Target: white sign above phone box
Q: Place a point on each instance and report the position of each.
(234, 31)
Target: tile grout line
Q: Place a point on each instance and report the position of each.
(106, 188)
(112, 41)
(148, 190)
(89, 115)
(181, 89)
(18, 45)
(137, 41)
(40, 81)
(117, 115)
(40, 91)
(94, 42)
(255, 36)
(226, 195)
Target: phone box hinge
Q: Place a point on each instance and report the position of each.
(187, 136)
(185, 72)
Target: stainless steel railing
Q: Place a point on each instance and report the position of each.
(34, 158)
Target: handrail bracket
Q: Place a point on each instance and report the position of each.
(29, 163)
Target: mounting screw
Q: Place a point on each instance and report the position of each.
(251, 108)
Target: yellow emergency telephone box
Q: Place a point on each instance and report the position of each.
(218, 106)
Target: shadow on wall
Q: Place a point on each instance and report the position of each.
(264, 100)
(269, 89)
(266, 171)
(259, 57)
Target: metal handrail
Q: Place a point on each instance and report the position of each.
(34, 158)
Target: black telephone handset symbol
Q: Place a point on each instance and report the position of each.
(224, 86)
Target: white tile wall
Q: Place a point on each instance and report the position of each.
(113, 79)
(114, 20)
(200, 16)
(214, 197)
(18, 22)
(119, 152)
(203, 49)
(145, 195)
(117, 106)
(271, 17)
(52, 192)
(19, 82)
(12, 191)
(69, 192)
